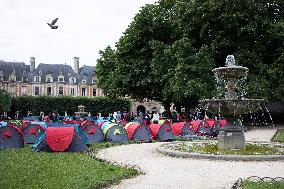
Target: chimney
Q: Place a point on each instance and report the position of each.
(76, 65)
(32, 64)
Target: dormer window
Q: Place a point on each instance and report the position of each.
(60, 78)
(72, 80)
(49, 79)
(84, 81)
(94, 81)
(37, 78)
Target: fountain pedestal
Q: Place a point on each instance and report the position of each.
(231, 136)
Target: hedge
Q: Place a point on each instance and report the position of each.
(47, 104)
(5, 101)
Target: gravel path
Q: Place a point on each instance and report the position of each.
(167, 172)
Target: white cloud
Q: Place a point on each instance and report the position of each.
(85, 27)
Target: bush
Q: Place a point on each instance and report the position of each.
(36, 104)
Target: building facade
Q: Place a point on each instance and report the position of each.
(18, 79)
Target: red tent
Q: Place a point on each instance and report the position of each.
(138, 131)
(210, 122)
(195, 124)
(223, 122)
(177, 127)
(59, 138)
(161, 132)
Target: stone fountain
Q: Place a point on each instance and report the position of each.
(231, 103)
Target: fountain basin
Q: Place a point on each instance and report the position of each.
(231, 106)
(230, 72)
(171, 149)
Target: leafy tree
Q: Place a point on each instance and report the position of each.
(169, 49)
(5, 101)
(251, 30)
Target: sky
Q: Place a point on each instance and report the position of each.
(84, 28)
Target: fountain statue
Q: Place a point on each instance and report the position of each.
(81, 111)
(231, 103)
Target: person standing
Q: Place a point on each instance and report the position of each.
(156, 117)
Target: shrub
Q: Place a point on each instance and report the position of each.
(36, 104)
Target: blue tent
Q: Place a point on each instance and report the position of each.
(10, 136)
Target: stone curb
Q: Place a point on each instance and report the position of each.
(174, 153)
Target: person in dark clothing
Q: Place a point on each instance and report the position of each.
(148, 118)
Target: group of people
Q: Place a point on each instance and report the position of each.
(117, 116)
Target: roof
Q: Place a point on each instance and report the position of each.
(21, 70)
(55, 70)
(86, 72)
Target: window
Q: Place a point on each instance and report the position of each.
(72, 91)
(72, 80)
(60, 79)
(48, 80)
(84, 81)
(48, 90)
(1, 77)
(94, 92)
(36, 90)
(83, 91)
(37, 79)
(24, 90)
(60, 91)
(94, 81)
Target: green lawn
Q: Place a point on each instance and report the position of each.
(262, 185)
(279, 137)
(22, 168)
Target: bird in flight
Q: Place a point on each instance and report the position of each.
(52, 24)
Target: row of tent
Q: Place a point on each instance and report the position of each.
(74, 137)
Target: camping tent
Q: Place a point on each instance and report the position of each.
(77, 127)
(195, 124)
(138, 131)
(60, 139)
(10, 136)
(203, 129)
(216, 128)
(93, 132)
(182, 129)
(32, 132)
(161, 132)
(114, 132)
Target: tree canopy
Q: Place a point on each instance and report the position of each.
(169, 49)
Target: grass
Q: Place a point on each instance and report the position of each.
(22, 168)
(279, 137)
(263, 185)
(212, 148)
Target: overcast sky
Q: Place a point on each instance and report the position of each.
(84, 28)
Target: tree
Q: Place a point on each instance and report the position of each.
(170, 47)
(5, 101)
(250, 30)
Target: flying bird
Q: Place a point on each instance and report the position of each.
(52, 24)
